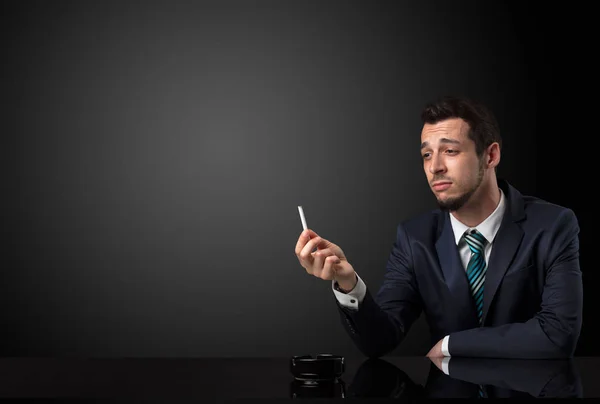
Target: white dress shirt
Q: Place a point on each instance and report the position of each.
(488, 228)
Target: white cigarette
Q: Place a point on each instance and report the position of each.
(302, 217)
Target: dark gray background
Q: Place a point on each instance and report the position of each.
(155, 154)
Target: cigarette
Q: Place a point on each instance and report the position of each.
(302, 217)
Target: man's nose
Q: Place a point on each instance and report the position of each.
(437, 165)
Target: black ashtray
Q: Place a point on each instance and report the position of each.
(319, 368)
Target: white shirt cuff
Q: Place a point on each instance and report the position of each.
(353, 298)
(445, 345)
(446, 365)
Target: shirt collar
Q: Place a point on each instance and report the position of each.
(488, 228)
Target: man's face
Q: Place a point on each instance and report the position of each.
(450, 161)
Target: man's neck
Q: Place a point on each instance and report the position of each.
(482, 204)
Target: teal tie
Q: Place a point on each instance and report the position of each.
(481, 392)
(476, 268)
(476, 275)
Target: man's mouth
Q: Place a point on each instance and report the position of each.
(441, 185)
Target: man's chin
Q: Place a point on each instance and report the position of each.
(451, 204)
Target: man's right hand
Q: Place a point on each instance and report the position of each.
(324, 260)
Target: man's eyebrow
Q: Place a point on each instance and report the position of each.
(442, 140)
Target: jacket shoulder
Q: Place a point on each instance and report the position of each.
(541, 210)
(424, 226)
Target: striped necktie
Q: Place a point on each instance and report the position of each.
(476, 268)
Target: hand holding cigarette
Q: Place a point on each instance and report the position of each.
(322, 258)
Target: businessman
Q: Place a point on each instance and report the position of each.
(496, 273)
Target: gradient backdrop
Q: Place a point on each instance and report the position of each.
(154, 155)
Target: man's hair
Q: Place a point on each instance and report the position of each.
(483, 126)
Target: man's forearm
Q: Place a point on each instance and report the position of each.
(371, 329)
(514, 341)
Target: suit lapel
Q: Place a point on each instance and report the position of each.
(504, 248)
(505, 245)
(454, 274)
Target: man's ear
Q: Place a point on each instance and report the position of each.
(493, 155)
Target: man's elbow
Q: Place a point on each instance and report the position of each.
(564, 351)
(565, 341)
(374, 352)
(569, 345)
(376, 348)
(561, 352)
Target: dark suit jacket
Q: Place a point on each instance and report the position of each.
(533, 292)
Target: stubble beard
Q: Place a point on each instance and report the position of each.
(454, 204)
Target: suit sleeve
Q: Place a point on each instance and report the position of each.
(554, 330)
(381, 323)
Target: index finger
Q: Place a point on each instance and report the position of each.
(304, 238)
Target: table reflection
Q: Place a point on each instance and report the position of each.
(241, 378)
(497, 378)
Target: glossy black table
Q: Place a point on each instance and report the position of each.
(246, 378)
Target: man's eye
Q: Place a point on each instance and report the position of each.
(425, 155)
(451, 151)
